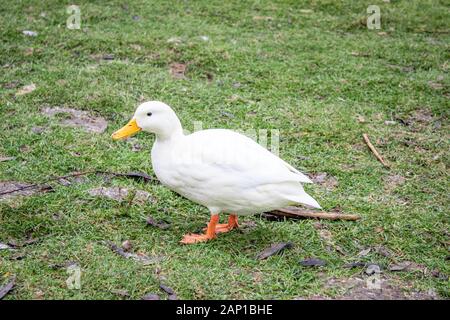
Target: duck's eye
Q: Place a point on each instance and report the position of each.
(149, 114)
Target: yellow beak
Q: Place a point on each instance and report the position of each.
(128, 130)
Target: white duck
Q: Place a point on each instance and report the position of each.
(220, 169)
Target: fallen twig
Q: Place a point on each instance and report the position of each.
(298, 213)
(35, 185)
(374, 151)
(24, 243)
(133, 175)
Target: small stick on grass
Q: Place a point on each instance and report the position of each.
(374, 151)
(36, 185)
(298, 213)
(134, 175)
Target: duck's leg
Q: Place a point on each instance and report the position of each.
(208, 235)
(225, 227)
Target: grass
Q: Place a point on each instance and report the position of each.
(310, 74)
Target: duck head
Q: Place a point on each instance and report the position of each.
(154, 117)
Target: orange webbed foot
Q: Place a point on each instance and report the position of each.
(195, 238)
(226, 227)
(209, 234)
(221, 228)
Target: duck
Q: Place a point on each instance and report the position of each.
(220, 169)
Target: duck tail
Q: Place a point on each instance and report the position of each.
(305, 199)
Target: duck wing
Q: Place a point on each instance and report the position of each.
(228, 154)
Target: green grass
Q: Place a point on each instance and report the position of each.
(296, 73)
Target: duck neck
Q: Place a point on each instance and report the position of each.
(172, 135)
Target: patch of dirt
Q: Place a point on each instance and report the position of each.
(177, 70)
(422, 116)
(26, 89)
(393, 181)
(247, 226)
(435, 85)
(401, 68)
(327, 237)
(6, 186)
(407, 266)
(324, 179)
(78, 118)
(37, 130)
(363, 288)
(372, 288)
(121, 194)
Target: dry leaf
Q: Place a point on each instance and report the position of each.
(400, 266)
(274, 249)
(151, 296)
(312, 262)
(166, 289)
